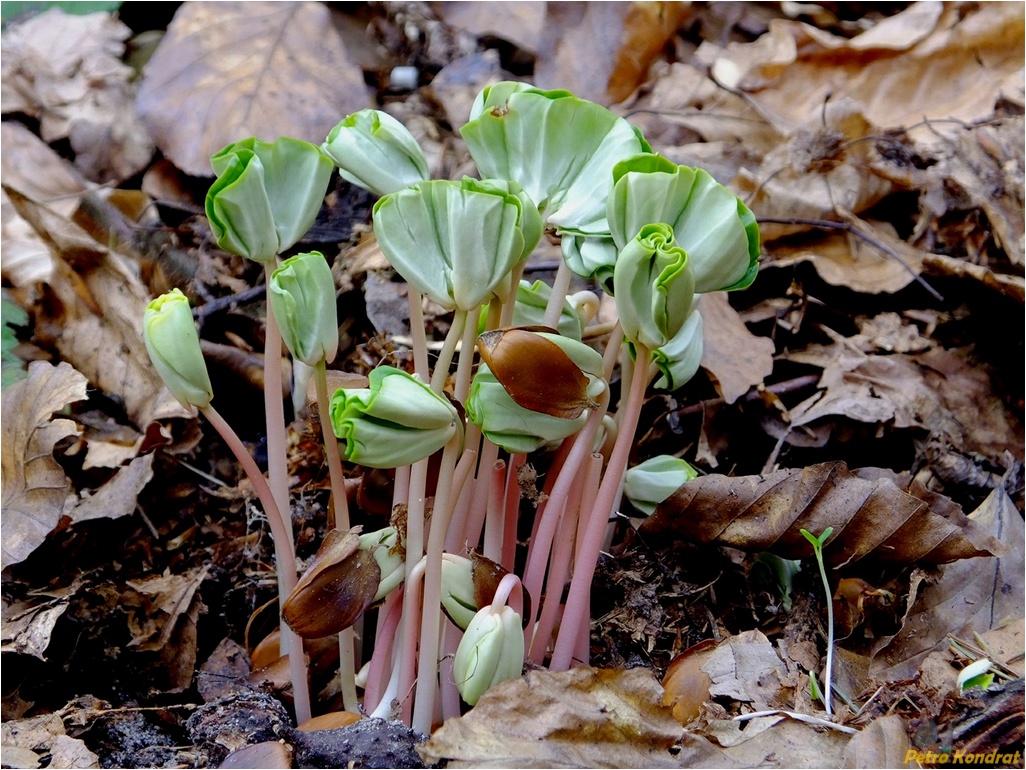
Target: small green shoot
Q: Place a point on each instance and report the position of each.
(976, 674)
(817, 547)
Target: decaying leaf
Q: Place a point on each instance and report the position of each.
(118, 496)
(246, 69)
(883, 743)
(34, 484)
(758, 742)
(737, 359)
(965, 597)
(938, 390)
(745, 668)
(44, 734)
(930, 61)
(872, 517)
(846, 259)
(622, 40)
(66, 70)
(27, 630)
(37, 172)
(171, 596)
(584, 717)
(102, 300)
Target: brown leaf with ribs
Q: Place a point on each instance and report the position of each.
(876, 515)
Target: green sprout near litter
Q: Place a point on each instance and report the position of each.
(521, 371)
(817, 547)
(976, 674)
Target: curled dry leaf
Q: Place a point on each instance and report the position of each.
(246, 69)
(34, 484)
(872, 516)
(932, 60)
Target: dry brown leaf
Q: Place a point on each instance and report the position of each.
(871, 516)
(777, 740)
(883, 743)
(938, 390)
(569, 30)
(171, 596)
(845, 259)
(970, 56)
(32, 168)
(34, 733)
(102, 301)
(246, 69)
(72, 753)
(824, 168)
(66, 70)
(685, 97)
(974, 595)
(746, 668)
(736, 358)
(520, 23)
(27, 630)
(29, 166)
(34, 484)
(118, 496)
(580, 718)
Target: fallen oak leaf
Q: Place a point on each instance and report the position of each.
(871, 516)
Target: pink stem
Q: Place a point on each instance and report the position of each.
(541, 543)
(495, 518)
(284, 556)
(559, 567)
(511, 511)
(577, 609)
(384, 642)
(417, 332)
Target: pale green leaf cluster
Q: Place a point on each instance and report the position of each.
(396, 421)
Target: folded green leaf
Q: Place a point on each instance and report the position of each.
(717, 231)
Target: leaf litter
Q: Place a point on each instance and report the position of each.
(884, 152)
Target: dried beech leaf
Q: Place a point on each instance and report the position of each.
(883, 743)
(100, 309)
(736, 358)
(962, 599)
(28, 630)
(957, 70)
(585, 717)
(246, 69)
(34, 484)
(67, 71)
(118, 496)
(872, 517)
